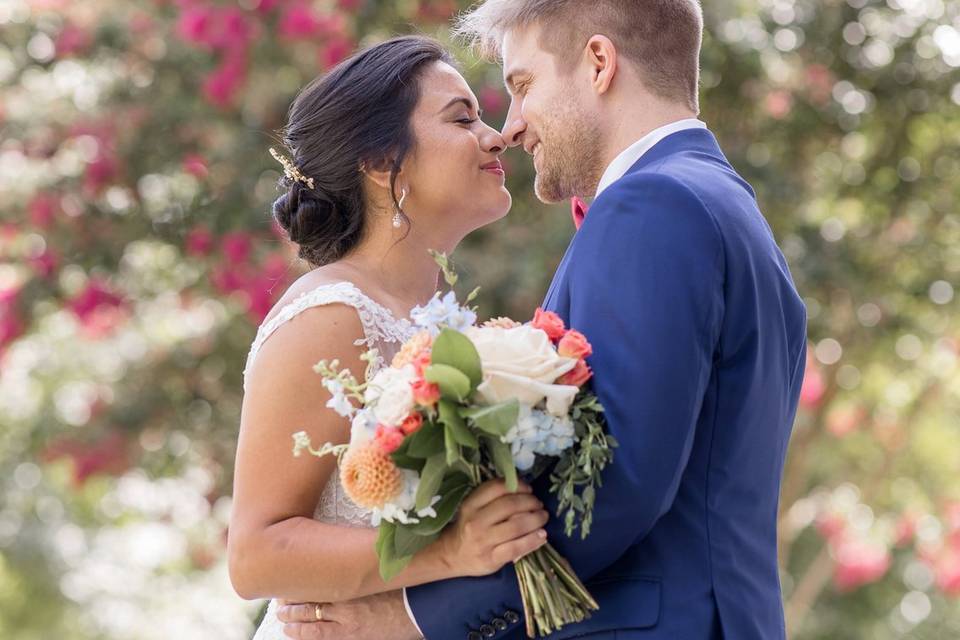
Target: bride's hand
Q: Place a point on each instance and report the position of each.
(494, 527)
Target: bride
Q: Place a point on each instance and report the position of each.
(388, 159)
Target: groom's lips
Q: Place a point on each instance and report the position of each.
(494, 167)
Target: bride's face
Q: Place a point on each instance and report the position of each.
(454, 175)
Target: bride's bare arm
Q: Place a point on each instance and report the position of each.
(276, 548)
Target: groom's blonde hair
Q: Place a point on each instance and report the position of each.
(661, 37)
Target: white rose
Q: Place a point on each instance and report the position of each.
(521, 363)
(390, 395)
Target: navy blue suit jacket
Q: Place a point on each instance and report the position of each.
(699, 342)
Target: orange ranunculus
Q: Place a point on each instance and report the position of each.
(548, 322)
(574, 344)
(577, 376)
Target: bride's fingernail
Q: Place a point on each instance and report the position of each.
(541, 534)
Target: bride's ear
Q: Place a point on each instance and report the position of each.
(380, 177)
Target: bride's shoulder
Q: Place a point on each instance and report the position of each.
(319, 283)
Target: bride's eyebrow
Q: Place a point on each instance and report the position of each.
(466, 101)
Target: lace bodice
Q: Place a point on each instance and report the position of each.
(382, 331)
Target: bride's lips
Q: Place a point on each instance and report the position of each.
(494, 167)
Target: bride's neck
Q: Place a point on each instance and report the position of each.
(399, 263)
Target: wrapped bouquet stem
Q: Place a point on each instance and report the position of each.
(460, 404)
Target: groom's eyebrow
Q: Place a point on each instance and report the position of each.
(468, 102)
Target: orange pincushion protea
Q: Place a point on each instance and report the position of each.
(416, 345)
(369, 476)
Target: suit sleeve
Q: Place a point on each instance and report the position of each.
(646, 288)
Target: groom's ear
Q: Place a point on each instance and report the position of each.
(601, 57)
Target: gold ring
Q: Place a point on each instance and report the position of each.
(318, 611)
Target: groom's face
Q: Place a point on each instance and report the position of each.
(550, 116)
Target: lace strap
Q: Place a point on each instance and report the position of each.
(378, 323)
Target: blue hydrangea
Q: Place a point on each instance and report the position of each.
(538, 432)
(443, 312)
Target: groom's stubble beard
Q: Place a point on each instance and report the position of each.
(571, 157)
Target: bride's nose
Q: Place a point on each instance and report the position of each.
(491, 141)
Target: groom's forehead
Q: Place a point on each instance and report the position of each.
(519, 50)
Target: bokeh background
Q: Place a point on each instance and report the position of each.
(138, 258)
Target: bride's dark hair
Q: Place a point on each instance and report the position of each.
(356, 114)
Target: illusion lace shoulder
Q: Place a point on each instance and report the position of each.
(382, 331)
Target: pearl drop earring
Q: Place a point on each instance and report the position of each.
(398, 212)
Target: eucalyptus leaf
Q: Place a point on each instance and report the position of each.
(454, 349)
(430, 479)
(502, 460)
(408, 542)
(450, 416)
(497, 419)
(453, 383)
(426, 442)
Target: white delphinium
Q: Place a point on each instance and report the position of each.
(397, 510)
(339, 401)
(443, 312)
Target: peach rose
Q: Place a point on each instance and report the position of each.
(411, 424)
(577, 376)
(425, 394)
(548, 322)
(389, 438)
(574, 344)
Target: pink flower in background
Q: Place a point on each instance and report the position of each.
(93, 297)
(199, 242)
(72, 40)
(299, 22)
(195, 165)
(265, 6)
(843, 421)
(830, 525)
(236, 246)
(260, 292)
(859, 562)
(779, 103)
(813, 388)
(44, 264)
(221, 86)
(11, 325)
(335, 50)
(195, 24)
(350, 5)
(42, 210)
(108, 455)
(906, 529)
(99, 173)
(947, 572)
(492, 99)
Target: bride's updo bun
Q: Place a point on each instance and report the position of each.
(356, 114)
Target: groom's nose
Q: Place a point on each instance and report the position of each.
(514, 126)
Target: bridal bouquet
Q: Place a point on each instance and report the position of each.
(461, 404)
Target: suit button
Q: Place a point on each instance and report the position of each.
(499, 624)
(511, 616)
(487, 631)
(474, 635)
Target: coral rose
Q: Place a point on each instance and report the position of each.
(411, 424)
(577, 376)
(574, 344)
(548, 322)
(425, 394)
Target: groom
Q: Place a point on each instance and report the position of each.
(697, 330)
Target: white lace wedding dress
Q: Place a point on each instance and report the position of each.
(383, 332)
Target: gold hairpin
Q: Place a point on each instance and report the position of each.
(290, 170)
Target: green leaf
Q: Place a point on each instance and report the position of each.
(390, 567)
(450, 416)
(430, 479)
(452, 448)
(453, 383)
(408, 542)
(426, 442)
(454, 349)
(454, 489)
(495, 419)
(502, 460)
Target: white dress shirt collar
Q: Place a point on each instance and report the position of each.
(629, 156)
